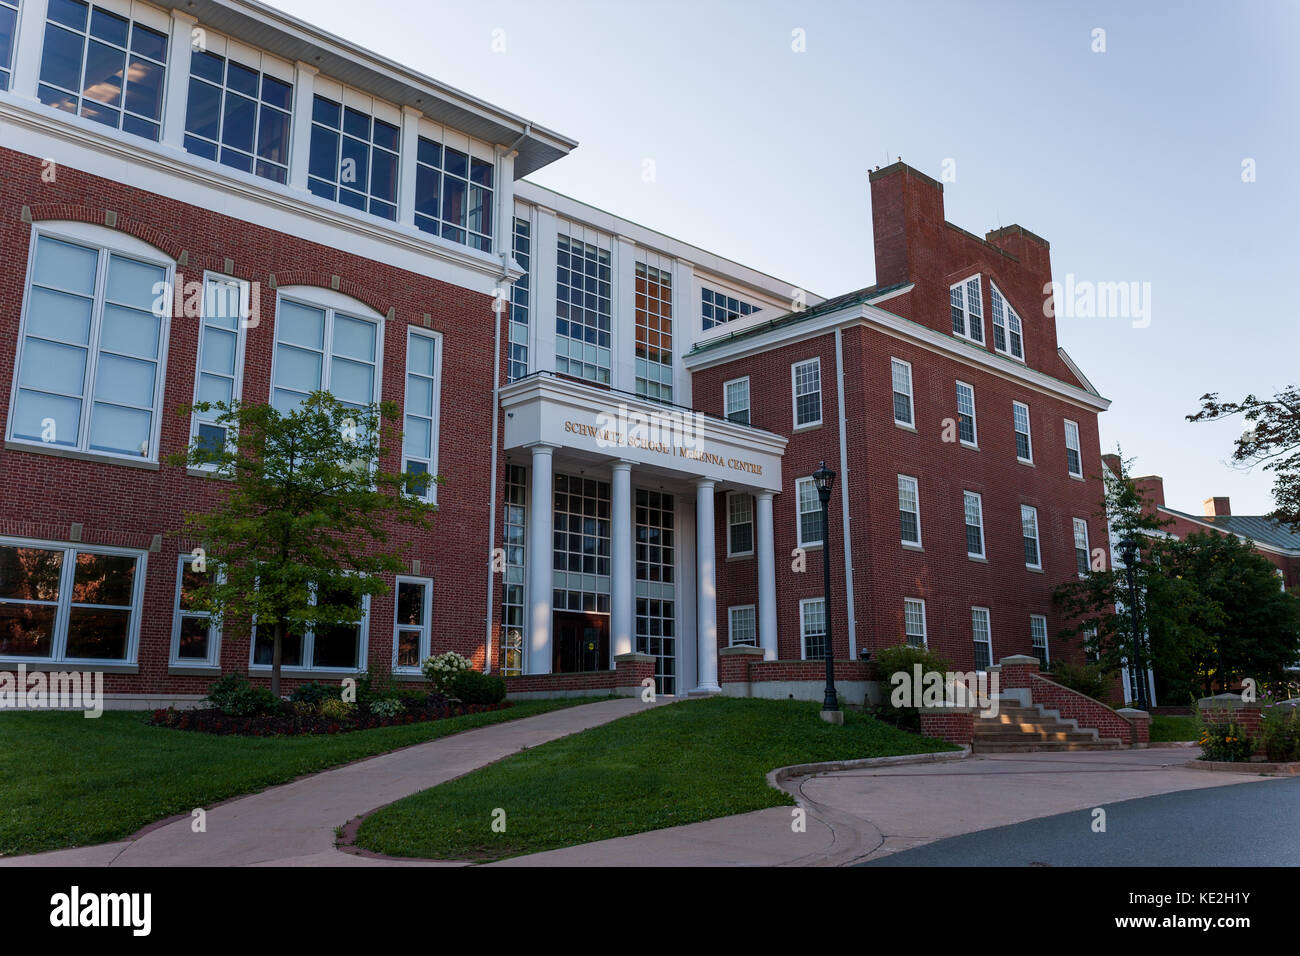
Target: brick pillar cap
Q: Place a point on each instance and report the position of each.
(740, 650)
(633, 657)
(1224, 700)
(1133, 713)
(1019, 659)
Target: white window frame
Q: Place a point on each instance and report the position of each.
(794, 392)
(214, 624)
(309, 646)
(425, 628)
(727, 410)
(1009, 317)
(988, 633)
(961, 288)
(237, 389)
(1027, 511)
(916, 493)
(896, 363)
(966, 523)
(1028, 433)
(1047, 654)
(1077, 448)
(63, 606)
(736, 496)
(803, 627)
(974, 420)
(1082, 524)
(731, 625)
(431, 490)
(799, 484)
(106, 243)
(907, 637)
(333, 304)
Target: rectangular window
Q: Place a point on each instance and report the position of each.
(420, 436)
(737, 400)
(807, 381)
(581, 543)
(8, 27)
(321, 645)
(91, 351)
(901, 374)
(69, 602)
(966, 415)
(319, 348)
(238, 116)
(973, 505)
(979, 624)
(412, 611)
(353, 158)
(516, 539)
(453, 194)
(103, 67)
(1038, 636)
(654, 333)
(740, 524)
(967, 309)
(914, 621)
(909, 510)
(810, 513)
(1007, 337)
(1029, 531)
(220, 362)
(1082, 552)
(517, 360)
(196, 633)
(742, 629)
(717, 308)
(812, 628)
(582, 311)
(1024, 442)
(656, 602)
(1073, 457)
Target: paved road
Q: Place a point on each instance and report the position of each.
(1257, 825)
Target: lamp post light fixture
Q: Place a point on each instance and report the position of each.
(824, 479)
(1128, 549)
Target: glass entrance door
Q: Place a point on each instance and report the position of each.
(581, 643)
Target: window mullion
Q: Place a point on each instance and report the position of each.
(63, 613)
(92, 356)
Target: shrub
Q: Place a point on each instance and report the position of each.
(904, 657)
(439, 670)
(1087, 679)
(475, 687)
(1281, 731)
(387, 707)
(337, 709)
(235, 696)
(1227, 741)
(313, 693)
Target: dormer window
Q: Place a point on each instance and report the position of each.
(967, 309)
(1007, 337)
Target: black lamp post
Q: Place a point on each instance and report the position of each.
(1129, 550)
(824, 479)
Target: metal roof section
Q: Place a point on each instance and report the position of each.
(295, 40)
(1258, 528)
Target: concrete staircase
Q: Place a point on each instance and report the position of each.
(1022, 729)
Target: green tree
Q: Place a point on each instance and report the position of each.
(299, 536)
(1271, 440)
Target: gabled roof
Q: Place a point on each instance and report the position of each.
(1258, 528)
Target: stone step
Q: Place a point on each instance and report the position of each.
(1067, 736)
(1043, 746)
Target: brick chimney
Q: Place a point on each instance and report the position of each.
(1217, 507)
(1152, 488)
(907, 221)
(1112, 462)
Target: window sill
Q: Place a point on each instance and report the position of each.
(908, 546)
(44, 665)
(73, 453)
(304, 673)
(746, 556)
(815, 546)
(1026, 462)
(971, 445)
(205, 473)
(1035, 570)
(1078, 477)
(906, 428)
(977, 558)
(810, 427)
(193, 670)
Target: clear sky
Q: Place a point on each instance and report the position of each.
(1128, 161)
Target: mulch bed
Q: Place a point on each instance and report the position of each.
(288, 724)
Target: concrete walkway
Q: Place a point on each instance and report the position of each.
(294, 824)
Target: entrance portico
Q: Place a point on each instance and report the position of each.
(620, 526)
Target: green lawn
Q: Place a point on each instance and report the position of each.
(68, 781)
(676, 764)
(1167, 728)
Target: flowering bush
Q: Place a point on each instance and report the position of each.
(387, 707)
(439, 670)
(1281, 731)
(1227, 742)
(337, 709)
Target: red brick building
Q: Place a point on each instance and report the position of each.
(626, 446)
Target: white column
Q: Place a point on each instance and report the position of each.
(622, 582)
(28, 41)
(541, 523)
(304, 84)
(406, 173)
(706, 606)
(179, 50)
(766, 546)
